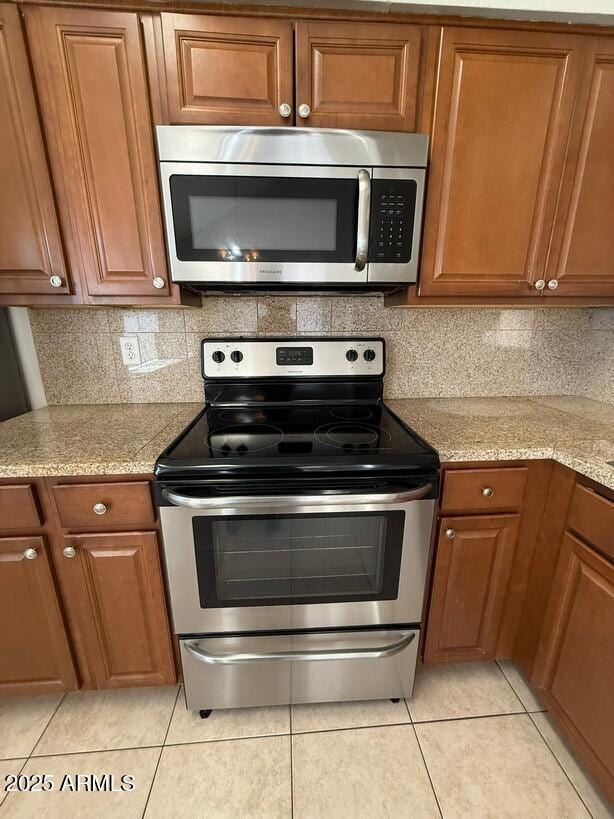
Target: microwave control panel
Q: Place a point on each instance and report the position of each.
(393, 207)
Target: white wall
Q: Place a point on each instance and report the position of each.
(22, 333)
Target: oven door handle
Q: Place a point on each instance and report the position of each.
(364, 218)
(371, 653)
(177, 499)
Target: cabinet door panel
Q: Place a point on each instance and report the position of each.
(577, 656)
(227, 70)
(501, 123)
(471, 576)
(90, 73)
(30, 245)
(358, 75)
(36, 657)
(583, 243)
(116, 583)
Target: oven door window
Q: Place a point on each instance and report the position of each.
(283, 559)
(264, 219)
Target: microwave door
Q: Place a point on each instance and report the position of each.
(289, 225)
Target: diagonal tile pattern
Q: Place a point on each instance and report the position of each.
(477, 748)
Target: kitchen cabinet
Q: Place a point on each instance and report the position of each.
(233, 71)
(116, 589)
(31, 255)
(473, 564)
(580, 258)
(81, 591)
(500, 130)
(93, 93)
(576, 656)
(34, 646)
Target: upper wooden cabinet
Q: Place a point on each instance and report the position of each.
(582, 252)
(233, 71)
(500, 131)
(31, 254)
(227, 70)
(358, 75)
(91, 80)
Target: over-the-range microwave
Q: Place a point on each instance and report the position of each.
(291, 208)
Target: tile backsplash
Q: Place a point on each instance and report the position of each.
(430, 352)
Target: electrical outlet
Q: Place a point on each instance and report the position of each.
(131, 352)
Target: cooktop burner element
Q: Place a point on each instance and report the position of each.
(278, 414)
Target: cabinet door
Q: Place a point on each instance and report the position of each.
(34, 647)
(114, 587)
(473, 564)
(501, 123)
(576, 656)
(91, 78)
(227, 70)
(582, 251)
(30, 245)
(358, 75)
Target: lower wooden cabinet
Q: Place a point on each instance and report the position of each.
(36, 656)
(116, 595)
(473, 564)
(576, 656)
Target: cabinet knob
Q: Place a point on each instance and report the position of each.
(304, 110)
(285, 110)
(99, 509)
(553, 284)
(30, 554)
(159, 283)
(487, 492)
(55, 281)
(539, 284)
(450, 534)
(69, 551)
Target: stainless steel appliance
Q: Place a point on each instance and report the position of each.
(296, 513)
(292, 207)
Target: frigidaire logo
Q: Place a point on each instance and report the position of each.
(270, 272)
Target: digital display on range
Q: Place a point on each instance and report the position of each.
(293, 356)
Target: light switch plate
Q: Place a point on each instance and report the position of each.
(131, 352)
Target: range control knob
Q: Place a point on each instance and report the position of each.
(351, 355)
(369, 355)
(236, 356)
(218, 356)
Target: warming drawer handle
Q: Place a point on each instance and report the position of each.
(177, 499)
(364, 217)
(376, 653)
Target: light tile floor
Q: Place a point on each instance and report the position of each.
(473, 742)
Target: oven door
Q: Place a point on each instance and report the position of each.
(228, 223)
(296, 562)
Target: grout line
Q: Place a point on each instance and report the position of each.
(291, 767)
(95, 751)
(168, 727)
(407, 709)
(55, 710)
(428, 773)
(560, 764)
(504, 675)
(522, 713)
(4, 794)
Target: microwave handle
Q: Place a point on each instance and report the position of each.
(364, 217)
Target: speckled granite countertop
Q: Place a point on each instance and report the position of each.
(127, 438)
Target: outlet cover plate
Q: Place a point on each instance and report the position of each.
(131, 352)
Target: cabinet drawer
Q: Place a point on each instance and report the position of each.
(19, 508)
(592, 517)
(482, 490)
(102, 505)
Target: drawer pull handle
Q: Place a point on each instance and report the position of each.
(30, 554)
(99, 509)
(69, 551)
(450, 534)
(487, 492)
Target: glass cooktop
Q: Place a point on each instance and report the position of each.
(298, 436)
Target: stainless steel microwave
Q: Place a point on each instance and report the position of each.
(281, 208)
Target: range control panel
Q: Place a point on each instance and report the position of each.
(286, 357)
(393, 205)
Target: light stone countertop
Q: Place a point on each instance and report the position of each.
(127, 438)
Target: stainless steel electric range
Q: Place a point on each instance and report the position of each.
(296, 514)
